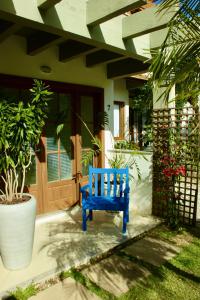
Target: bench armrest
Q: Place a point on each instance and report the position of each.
(84, 190)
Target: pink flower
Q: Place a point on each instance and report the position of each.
(168, 172)
(181, 170)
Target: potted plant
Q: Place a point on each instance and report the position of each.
(20, 130)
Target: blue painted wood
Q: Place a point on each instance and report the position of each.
(108, 185)
(102, 184)
(98, 199)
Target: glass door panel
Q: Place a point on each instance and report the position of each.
(31, 177)
(87, 114)
(59, 148)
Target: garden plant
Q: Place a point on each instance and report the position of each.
(21, 126)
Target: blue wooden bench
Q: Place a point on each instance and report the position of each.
(108, 189)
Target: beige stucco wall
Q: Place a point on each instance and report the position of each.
(15, 61)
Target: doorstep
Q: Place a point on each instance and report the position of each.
(60, 244)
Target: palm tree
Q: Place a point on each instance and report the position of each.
(177, 61)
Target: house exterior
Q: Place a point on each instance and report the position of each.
(86, 51)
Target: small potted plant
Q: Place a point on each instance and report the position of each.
(20, 130)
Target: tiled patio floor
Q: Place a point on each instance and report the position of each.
(60, 244)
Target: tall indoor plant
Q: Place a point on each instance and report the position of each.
(20, 130)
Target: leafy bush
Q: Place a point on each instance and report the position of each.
(126, 145)
(20, 130)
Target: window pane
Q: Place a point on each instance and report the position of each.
(25, 96)
(87, 109)
(31, 172)
(116, 120)
(53, 107)
(10, 94)
(66, 165)
(65, 104)
(86, 137)
(85, 168)
(65, 141)
(52, 139)
(52, 167)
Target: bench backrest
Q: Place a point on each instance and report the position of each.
(108, 182)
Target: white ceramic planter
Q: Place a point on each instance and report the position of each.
(17, 226)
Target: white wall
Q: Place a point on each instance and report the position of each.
(140, 190)
(121, 94)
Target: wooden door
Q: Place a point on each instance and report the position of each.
(56, 172)
(59, 172)
(33, 182)
(59, 168)
(88, 110)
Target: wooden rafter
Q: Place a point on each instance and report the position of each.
(125, 67)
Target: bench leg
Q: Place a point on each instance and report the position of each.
(90, 215)
(124, 223)
(84, 220)
(127, 217)
(125, 220)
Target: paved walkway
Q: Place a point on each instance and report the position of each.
(60, 244)
(117, 273)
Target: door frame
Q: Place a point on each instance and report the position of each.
(76, 90)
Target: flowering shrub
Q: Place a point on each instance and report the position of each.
(171, 168)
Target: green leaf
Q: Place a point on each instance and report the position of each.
(59, 128)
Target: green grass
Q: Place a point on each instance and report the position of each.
(90, 285)
(177, 279)
(165, 233)
(171, 286)
(23, 294)
(189, 259)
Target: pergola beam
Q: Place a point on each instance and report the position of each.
(146, 21)
(41, 41)
(71, 49)
(7, 29)
(126, 67)
(99, 11)
(46, 4)
(132, 83)
(101, 56)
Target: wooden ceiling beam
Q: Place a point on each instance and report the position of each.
(71, 49)
(126, 67)
(132, 83)
(7, 29)
(101, 56)
(41, 41)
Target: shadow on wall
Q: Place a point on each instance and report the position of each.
(141, 197)
(8, 6)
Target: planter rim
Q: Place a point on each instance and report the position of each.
(19, 204)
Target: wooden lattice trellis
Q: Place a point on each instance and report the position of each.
(176, 135)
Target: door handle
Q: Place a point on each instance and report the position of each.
(77, 176)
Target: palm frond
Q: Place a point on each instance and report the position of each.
(178, 59)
